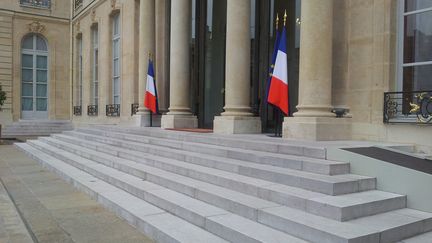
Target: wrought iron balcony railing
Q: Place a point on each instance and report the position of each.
(113, 110)
(78, 3)
(77, 111)
(134, 108)
(36, 3)
(92, 110)
(408, 107)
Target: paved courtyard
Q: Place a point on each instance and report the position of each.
(52, 209)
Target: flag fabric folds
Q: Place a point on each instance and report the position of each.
(278, 91)
(273, 60)
(150, 97)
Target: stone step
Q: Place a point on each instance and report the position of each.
(266, 160)
(236, 141)
(395, 225)
(194, 211)
(250, 154)
(151, 220)
(340, 208)
(331, 185)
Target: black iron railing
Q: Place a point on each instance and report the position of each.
(134, 108)
(113, 110)
(77, 110)
(36, 3)
(408, 107)
(92, 110)
(78, 3)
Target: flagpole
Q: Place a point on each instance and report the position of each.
(279, 114)
(151, 113)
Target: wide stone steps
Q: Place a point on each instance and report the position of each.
(262, 159)
(319, 183)
(199, 213)
(280, 147)
(332, 185)
(395, 225)
(151, 220)
(32, 128)
(344, 207)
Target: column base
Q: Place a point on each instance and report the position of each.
(179, 121)
(143, 120)
(236, 125)
(317, 128)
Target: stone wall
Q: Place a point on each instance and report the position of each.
(6, 65)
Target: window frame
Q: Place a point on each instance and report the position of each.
(95, 66)
(116, 38)
(401, 14)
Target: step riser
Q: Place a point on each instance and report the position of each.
(311, 152)
(305, 183)
(332, 169)
(205, 222)
(242, 170)
(288, 200)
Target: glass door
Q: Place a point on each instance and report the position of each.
(34, 78)
(208, 59)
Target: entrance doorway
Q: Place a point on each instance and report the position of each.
(34, 77)
(266, 36)
(208, 59)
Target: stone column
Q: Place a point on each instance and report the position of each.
(237, 117)
(314, 119)
(146, 46)
(179, 115)
(162, 53)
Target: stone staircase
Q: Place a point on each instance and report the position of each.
(33, 128)
(188, 187)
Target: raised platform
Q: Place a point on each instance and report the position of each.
(192, 187)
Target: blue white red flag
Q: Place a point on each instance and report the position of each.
(273, 60)
(278, 92)
(150, 98)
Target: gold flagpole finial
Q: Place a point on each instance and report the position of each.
(150, 56)
(277, 21)
(285, 18)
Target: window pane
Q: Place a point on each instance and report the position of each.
(41, 90)
(116, 48)
(412, 5)
(27, 61)
(116, 100)
(41, 104)
(116, 67)
(418, 38)
(28, 43)
(116, 25)
(417, 78)
(27, 89)
(41, 44)
(27, 104)
(27, 75)
(116, 86)
(41, 76)
(41, 62)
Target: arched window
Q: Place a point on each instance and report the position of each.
(34, 77)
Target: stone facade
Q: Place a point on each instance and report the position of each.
(17, 21)
(348, 60)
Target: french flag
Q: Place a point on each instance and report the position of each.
(150, 98)
(278, 92)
